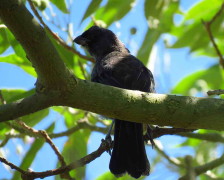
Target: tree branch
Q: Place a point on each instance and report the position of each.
(135, 106)
(208, 28)
(158, 132)
(212, 137)
(157, 109)
(55, 36)
(13, 166)
(215, 92)
(171, 160)
(27, 105)
(79, 163)
(205, 167)
(47, 139)
(50, 69)
(80, 125)
(190, 172)
(128, 105)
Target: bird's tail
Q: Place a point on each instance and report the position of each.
(129, 153)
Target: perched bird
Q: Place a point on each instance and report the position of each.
(115, 66)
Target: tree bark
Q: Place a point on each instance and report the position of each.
(61, 88)
(157, 109)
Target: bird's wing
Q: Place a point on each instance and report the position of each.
(124, 72)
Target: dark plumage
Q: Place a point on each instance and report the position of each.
(115, 66)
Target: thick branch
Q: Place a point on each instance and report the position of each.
(158, 109)
(39, 49)
(26, 106)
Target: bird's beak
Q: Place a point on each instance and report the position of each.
(81, 41)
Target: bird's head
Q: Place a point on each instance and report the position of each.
(99, 42)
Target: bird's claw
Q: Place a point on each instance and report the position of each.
(108, 141)
(150, 136)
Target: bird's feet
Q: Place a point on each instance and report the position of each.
(149, 135)
(109, 142)
(108, 139)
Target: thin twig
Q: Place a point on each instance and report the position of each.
(20, 129)
(217, 14)
(208, 28)
(158, 132)
(173, 161)
(13, 166)
(215, 92)
(211, 137)
(37, 133)
(55, 36)
(4, 142)
(49, 141)
(46, 137)
(80, 125)
(104, 146)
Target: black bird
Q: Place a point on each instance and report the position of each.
(115, 66)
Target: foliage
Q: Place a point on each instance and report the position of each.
(159, 21)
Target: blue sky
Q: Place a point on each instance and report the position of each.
(179, 63)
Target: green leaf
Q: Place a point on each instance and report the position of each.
(31, 154)
(110, 176)
(76, 146)
(65, 54)
(159, 15)
(78, 63)
(107, 175)
(190, 142)
(71, 115)
(11, 95)
(211, 78)
(210, 50)
(18, 49)
(153, 8)
(199, 36)
(20, 62)
(191, 33)
(114, 10)
(91, 8)
(60, 4)
(4, 129)
(197, 39)
(205, 10)
(3, 39)
(166, 18)
(150, 39)
(74, 149)
(34, 118)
